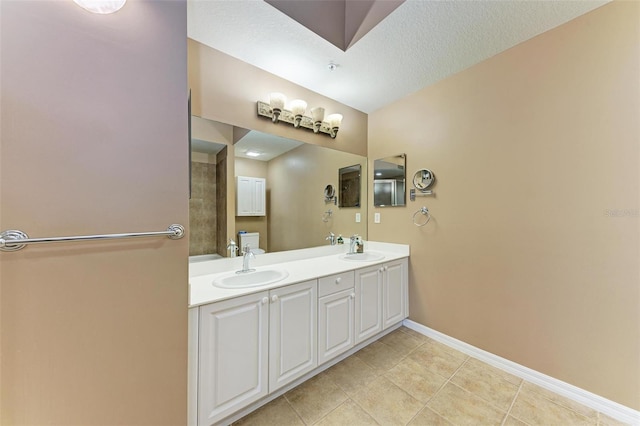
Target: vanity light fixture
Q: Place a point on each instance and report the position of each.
(101, 6)
(317, 114)
(275, 110)
(298, 108)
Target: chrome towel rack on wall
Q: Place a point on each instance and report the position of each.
(13, 240)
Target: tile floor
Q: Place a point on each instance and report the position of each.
(406, 378)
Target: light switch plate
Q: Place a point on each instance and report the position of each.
(376, 218)
(358, 218)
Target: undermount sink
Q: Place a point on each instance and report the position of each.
(367, 256)
(251, 279)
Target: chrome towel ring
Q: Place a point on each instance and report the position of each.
(424, 211)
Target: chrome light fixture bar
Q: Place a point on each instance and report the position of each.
(277, 113)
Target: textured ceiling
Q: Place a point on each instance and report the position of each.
(418, 44)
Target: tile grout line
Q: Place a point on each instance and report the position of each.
(506, 416)
(406, 356)
(446, 382)
(294, 409)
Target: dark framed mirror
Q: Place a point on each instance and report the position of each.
(389, 181)
(349, 186)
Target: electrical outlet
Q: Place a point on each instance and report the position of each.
(358, 218)
(376, 218)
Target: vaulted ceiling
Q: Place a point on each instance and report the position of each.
(382, 50)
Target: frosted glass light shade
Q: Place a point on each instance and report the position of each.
(334, 120)
(277, 100)
(101, 6)
(298, 107)
(317, 114)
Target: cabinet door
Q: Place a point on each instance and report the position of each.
(368, 320)
(292, 333)
(335, 324)
(233, 350)
(244, 196)
(259, 197)
(394, 292)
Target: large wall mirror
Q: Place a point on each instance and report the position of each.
(297, 213)
(389, 177)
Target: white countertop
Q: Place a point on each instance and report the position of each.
(302, 265)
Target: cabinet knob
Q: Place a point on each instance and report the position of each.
(265, 300)
(274, 298)
(338, 280)
(352, 295)
(381, 269)
(386, 267)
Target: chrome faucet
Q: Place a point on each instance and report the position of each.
(331, 238)
(246, 255)
(352, 243)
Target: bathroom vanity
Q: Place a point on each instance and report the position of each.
(251, 344)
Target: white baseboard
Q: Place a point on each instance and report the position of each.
(598, 403)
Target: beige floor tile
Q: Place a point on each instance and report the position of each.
(427, 417)
(402, 342)
(414, 334)
(349, 413)
(534, 409)
(379, 355)
(276, 413)
(315, 398)
(486, 382)
(352, 374)
(561, 400)
(387, 403)
(463, 408)
(415, 379)
(439, 358)
(604, 420)
(496, 371)
(512, 421)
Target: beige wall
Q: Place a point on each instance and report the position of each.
(93, 140)
(226, 89)
(296, 197)
(533, 249)
(252, 168)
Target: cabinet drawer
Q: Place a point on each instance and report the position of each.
(333, 283)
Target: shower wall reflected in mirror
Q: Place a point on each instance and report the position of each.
(389, 177)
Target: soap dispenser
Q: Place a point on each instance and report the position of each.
(359, 245)
(232, 248)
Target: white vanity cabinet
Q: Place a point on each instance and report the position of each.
(233, 345)
(251, 194)
(368, 309)
(381, 294)
(252, 345)
(395, 292)
(292, 333)
(335, 315)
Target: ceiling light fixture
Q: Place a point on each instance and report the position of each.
(252, 154)
(101, 6)
(275, 110)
